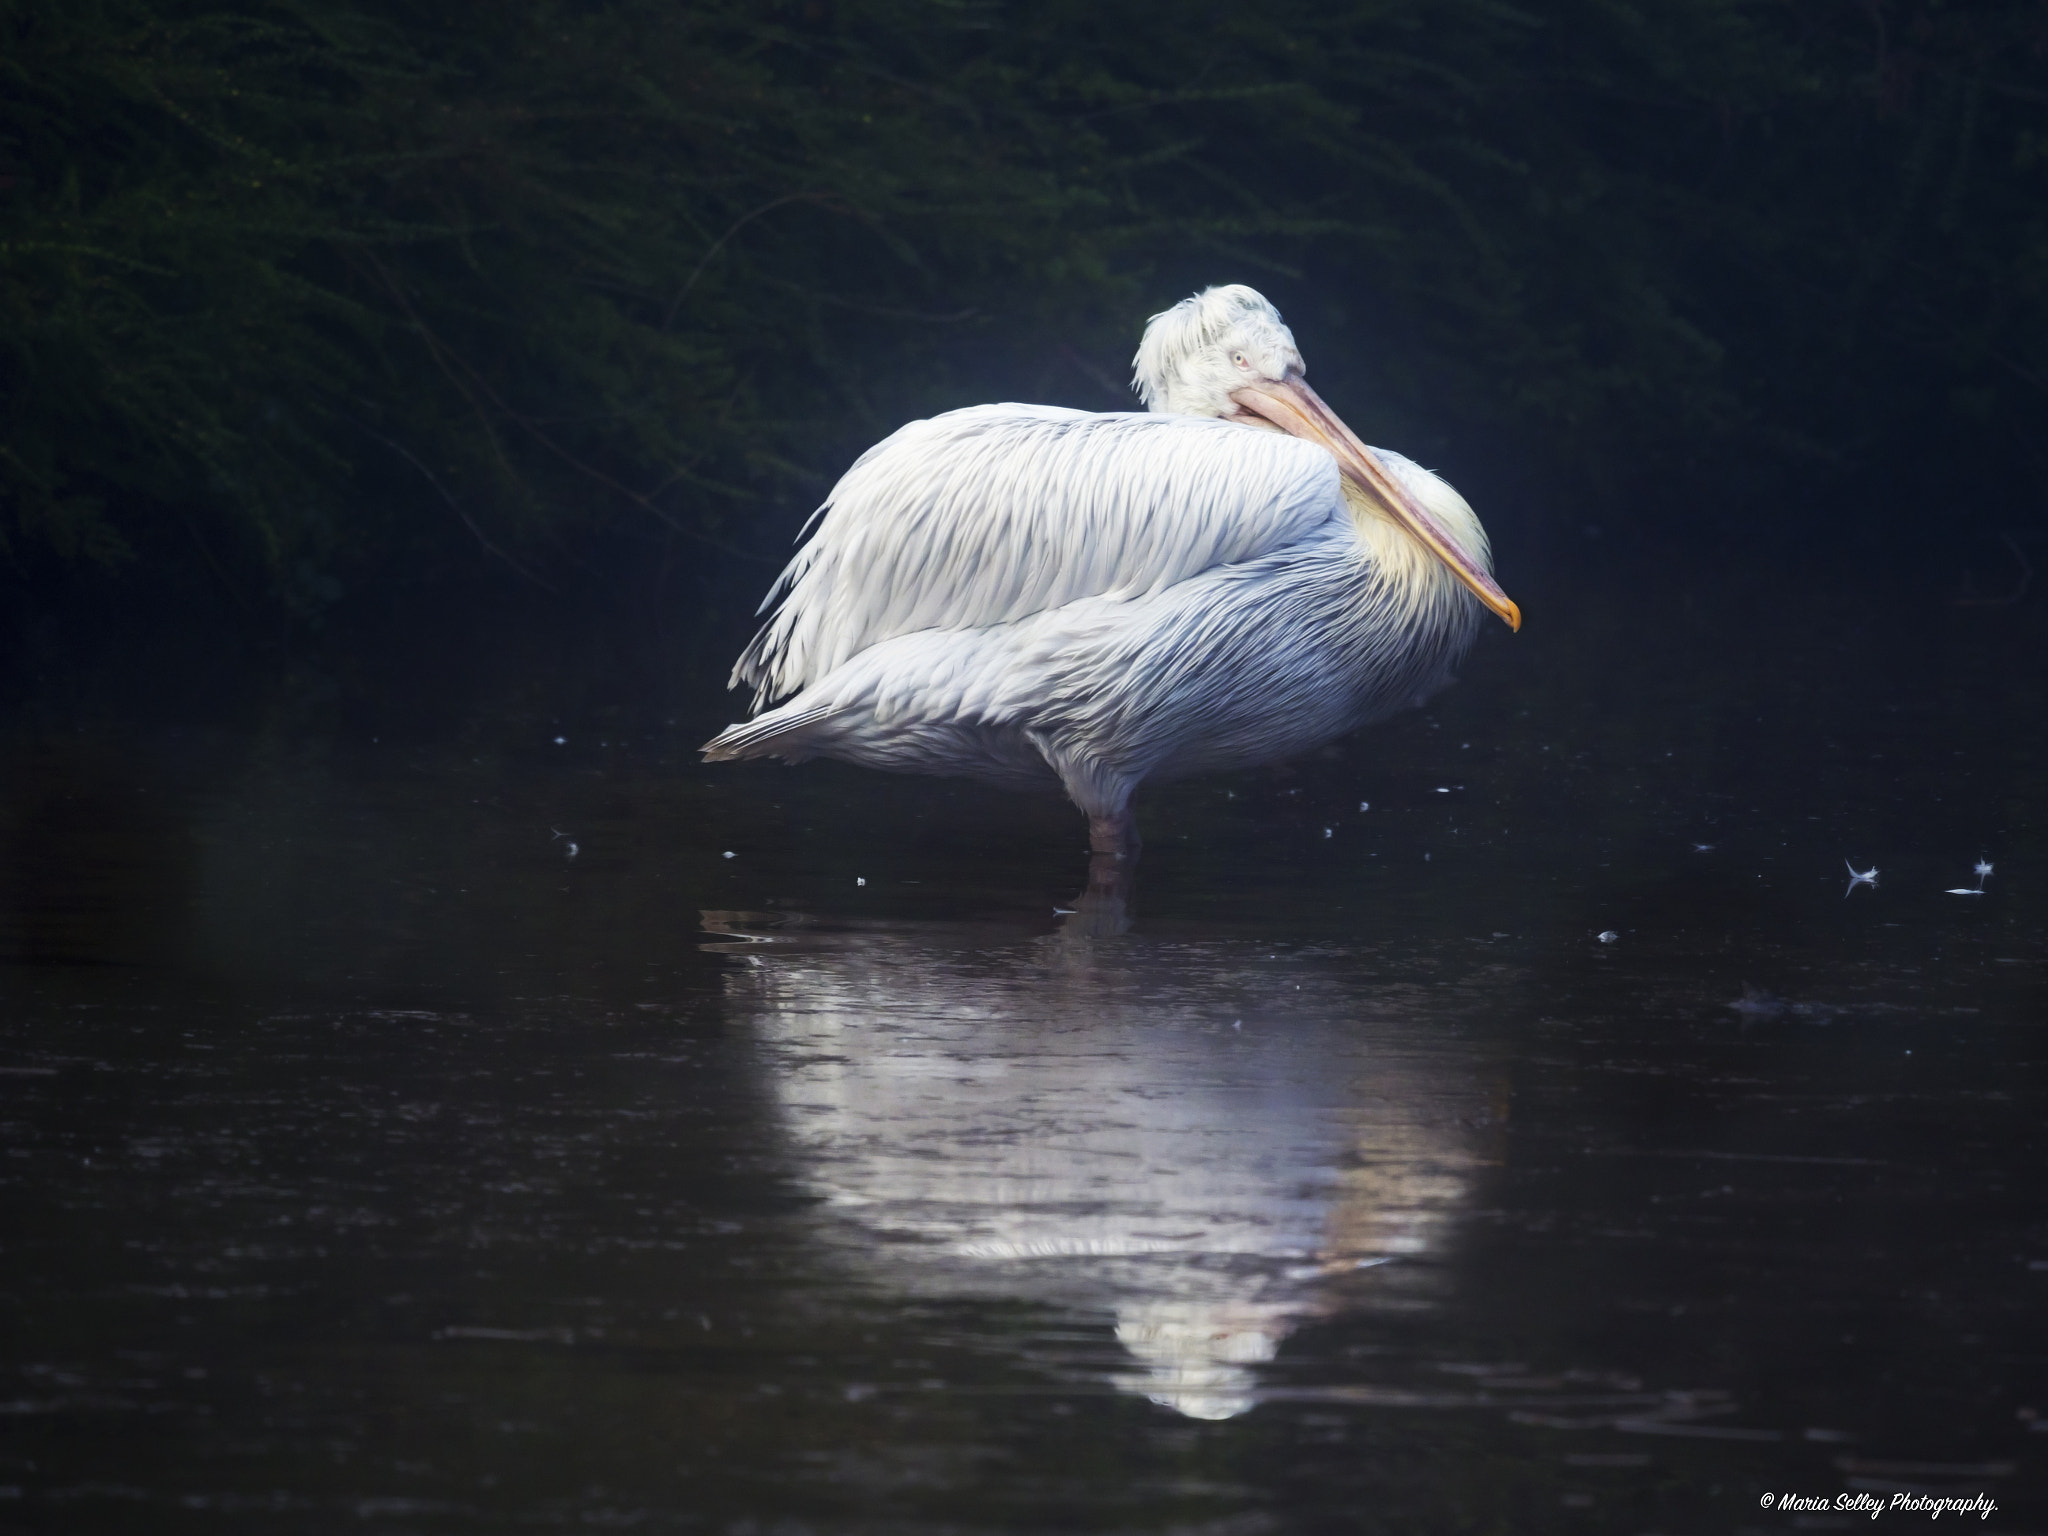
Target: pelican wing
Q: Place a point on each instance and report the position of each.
(991, 514)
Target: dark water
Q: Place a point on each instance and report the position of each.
(430, 1127)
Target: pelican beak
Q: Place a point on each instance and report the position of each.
(1294, 408)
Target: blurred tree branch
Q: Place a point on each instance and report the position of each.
(1684, 252)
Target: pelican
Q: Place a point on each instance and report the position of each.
(1034, 596)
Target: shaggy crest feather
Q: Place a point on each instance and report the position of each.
(1183, 365)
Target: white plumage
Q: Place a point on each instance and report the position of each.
(1031, 595)
(991, 514)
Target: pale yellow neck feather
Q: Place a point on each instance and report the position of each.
(1409, 570)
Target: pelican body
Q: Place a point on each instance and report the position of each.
(1038, 597)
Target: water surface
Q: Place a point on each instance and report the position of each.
(442, 1127)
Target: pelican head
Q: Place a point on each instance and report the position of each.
(1197, 354)
(1225, 352)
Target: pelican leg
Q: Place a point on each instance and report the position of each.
(1102, 793)
(1103, 910)
(1114, 834)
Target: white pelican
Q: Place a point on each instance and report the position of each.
(1029, 595)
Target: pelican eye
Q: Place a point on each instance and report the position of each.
(1240, 359)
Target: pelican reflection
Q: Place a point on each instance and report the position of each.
(1206, 1140)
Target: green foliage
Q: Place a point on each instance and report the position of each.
(534, 269)
(322, 292)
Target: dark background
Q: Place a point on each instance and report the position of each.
(335, 330)
(402, 409)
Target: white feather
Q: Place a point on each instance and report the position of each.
(1035, 596)
(989, 515)
(1240, 664)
